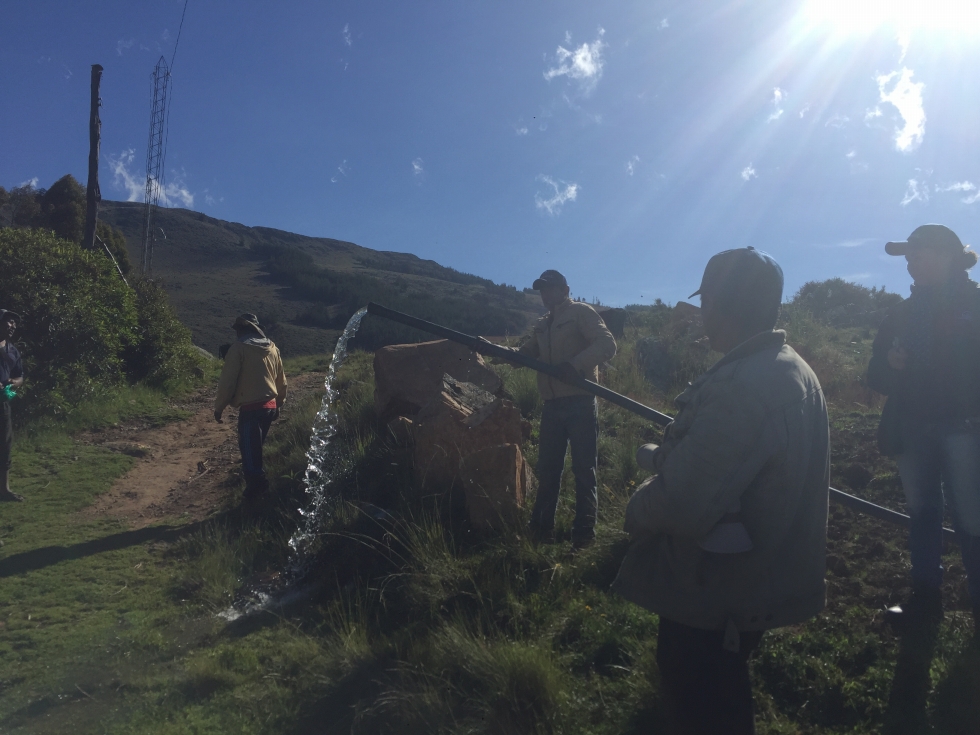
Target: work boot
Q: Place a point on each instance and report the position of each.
(255, 486)
(583, 540)
(923, 608)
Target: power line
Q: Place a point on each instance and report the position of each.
(177, 42)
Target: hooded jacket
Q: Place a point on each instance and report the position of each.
(571, 332)
(252, 373)
(752, 429)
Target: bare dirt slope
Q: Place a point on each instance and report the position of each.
(186, 470)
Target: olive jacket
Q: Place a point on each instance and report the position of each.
(571, 332)
(252, 373)
(753, 429)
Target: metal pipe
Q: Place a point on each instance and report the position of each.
(661, 419)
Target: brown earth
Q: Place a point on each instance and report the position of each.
(185, 470)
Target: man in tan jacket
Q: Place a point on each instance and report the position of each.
(573, 337)
(730, 535)
(252, 380)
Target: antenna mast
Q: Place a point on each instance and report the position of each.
(154, 159)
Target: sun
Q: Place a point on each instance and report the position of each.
(847, 17)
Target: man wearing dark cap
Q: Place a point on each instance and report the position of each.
(11, 378)
(252, 380)
(926, 359)
(748, 450)
(573, 337)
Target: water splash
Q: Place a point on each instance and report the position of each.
(321, 468)
(323, 465)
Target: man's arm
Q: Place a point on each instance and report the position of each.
(16, 379)
(228, 381)
(882, 377)
(602, 344)
(707, 470)
(280, 382)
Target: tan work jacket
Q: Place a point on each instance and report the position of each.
(252, 373)
(571, 332)
(752, 429)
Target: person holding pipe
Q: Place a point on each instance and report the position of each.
(572, 337)
(729, 536)
(11, 378)
(926, 358)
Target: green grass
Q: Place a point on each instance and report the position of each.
(416, 624)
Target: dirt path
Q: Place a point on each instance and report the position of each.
(185, 470)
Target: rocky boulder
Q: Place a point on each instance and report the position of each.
(495, 482)
(459, 420)
(408, 377)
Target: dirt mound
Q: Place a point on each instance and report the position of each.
(185, 470)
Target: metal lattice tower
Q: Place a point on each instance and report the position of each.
(155, 152)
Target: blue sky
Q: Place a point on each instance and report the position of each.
(622, 143)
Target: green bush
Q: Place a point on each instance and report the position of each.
(161, 352)
(79, 317)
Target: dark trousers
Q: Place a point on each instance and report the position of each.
(570, 420)
(6, 435)
(706, 688)
(253, 427)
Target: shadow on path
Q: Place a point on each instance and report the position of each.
(34, 559)
(906, 713)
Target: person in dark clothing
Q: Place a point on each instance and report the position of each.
(926, 359)
(11, 378)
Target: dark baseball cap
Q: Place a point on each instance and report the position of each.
(926, 236)
(549, 278)
(744, 273)
(5, 313)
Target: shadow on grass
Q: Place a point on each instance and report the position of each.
(906, 713)
(956, 707)
(29, 561)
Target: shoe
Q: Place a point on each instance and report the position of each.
(10, 497)
(923, 608)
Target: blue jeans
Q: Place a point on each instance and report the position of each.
(940, 457)
(253, 427)
(570, 420)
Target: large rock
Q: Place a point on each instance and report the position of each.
(408, 377)
(495, 482)
(461, 419)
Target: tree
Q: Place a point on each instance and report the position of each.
(63, 209)
(24, 206)
(115, 240)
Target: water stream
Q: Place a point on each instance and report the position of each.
(322, 467)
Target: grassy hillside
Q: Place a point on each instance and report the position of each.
(304, 287)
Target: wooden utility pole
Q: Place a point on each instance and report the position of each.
(93, 194)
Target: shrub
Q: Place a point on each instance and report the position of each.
(161, 351)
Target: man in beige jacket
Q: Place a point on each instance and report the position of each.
(730, 535)
(573, 337)
(253, 381)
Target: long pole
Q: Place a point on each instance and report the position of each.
(93, 194)
(661, 419)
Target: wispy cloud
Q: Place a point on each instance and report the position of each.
(210, 199)
(31, 182)
(174, 193)
(346, 34)
(583, 64)
(972, 199)
(850, 154)
(68, 74)
(957, 186)
(857, 276)
(663, 24)
(855, 243)
(915, 192)
(342, 170)
(522, 130)
(418, 170)
(561, 193)
(631, 165)
(123, 45)
(749, 173)
(837, 121)
(778, 95)
(872, 113)
(804, 111)
(906, 97)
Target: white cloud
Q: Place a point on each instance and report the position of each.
(521, 130)
(775, 116)
(417, 170)
(173, 193)
(804, 111)
(346, 34)
(872, 113)
(857, 276)
(342, 170)
(122, 45)
(584, 64)
(631, 165)
(906, 97)
(856, 243)
(165, 35)
(749, 173)
(975, 197)
(837, 121)
(31, 182)
(68, 73)
(850, 154)
(778, 95)
(958, 186)
(560, 195)
(663, 24)
(915, 193)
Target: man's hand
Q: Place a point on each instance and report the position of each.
(897, 356)
(567, 373)
(275, 415)
(217, 417)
